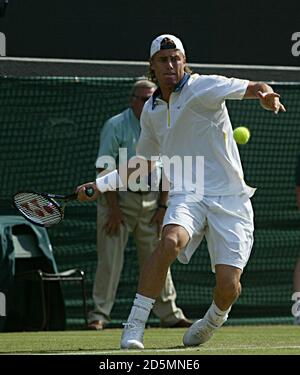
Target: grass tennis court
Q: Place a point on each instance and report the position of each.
(257, 340)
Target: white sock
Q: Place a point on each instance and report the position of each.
(215, 316)
(141, 308)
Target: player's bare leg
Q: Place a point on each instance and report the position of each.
(155, 270)
(228, 286)
(151, 282)
(227, 290)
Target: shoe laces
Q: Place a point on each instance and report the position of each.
(129, 325)
(204, 330)
(133, 328)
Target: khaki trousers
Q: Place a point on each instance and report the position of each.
(138, 210)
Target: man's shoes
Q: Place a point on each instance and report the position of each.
(182, 323)
(96, 325)
(200, 332)
(132, 336)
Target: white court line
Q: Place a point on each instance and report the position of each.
(199, 349)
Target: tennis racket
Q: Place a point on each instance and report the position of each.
(44, 209)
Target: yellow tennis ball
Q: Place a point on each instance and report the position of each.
(241, 135)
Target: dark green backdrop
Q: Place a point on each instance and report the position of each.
(49, 136)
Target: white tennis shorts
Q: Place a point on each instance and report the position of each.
(225, 221)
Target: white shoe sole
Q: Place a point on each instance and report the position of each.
(132, 344)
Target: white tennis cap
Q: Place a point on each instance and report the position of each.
(166, 41)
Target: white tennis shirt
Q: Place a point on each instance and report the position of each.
(195, 122)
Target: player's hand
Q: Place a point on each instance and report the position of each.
(81, 190)
(270, 101)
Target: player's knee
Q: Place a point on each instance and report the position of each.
(230, 289)
(170, 247)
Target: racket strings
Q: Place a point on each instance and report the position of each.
(38, 208)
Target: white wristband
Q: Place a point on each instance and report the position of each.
(109, 182)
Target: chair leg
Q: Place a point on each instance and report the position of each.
(44, 307)
(84, 300)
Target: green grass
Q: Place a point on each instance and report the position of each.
(235, 340)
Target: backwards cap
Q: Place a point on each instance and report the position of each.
(166, 41)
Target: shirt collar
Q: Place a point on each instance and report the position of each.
(178, 87)
(133, 119)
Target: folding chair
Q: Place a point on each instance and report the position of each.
(26, 254)
(45, 277)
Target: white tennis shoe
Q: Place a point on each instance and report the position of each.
(132, 336)
(198, 333)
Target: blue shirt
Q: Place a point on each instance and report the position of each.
(120, 131)
(123, 131)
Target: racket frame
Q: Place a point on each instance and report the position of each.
(51, 199)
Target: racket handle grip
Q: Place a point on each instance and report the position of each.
(90, 191)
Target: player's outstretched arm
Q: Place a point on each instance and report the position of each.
(108, 182)
(114, 180)
(269, 99)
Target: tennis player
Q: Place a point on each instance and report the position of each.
(187, 116)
